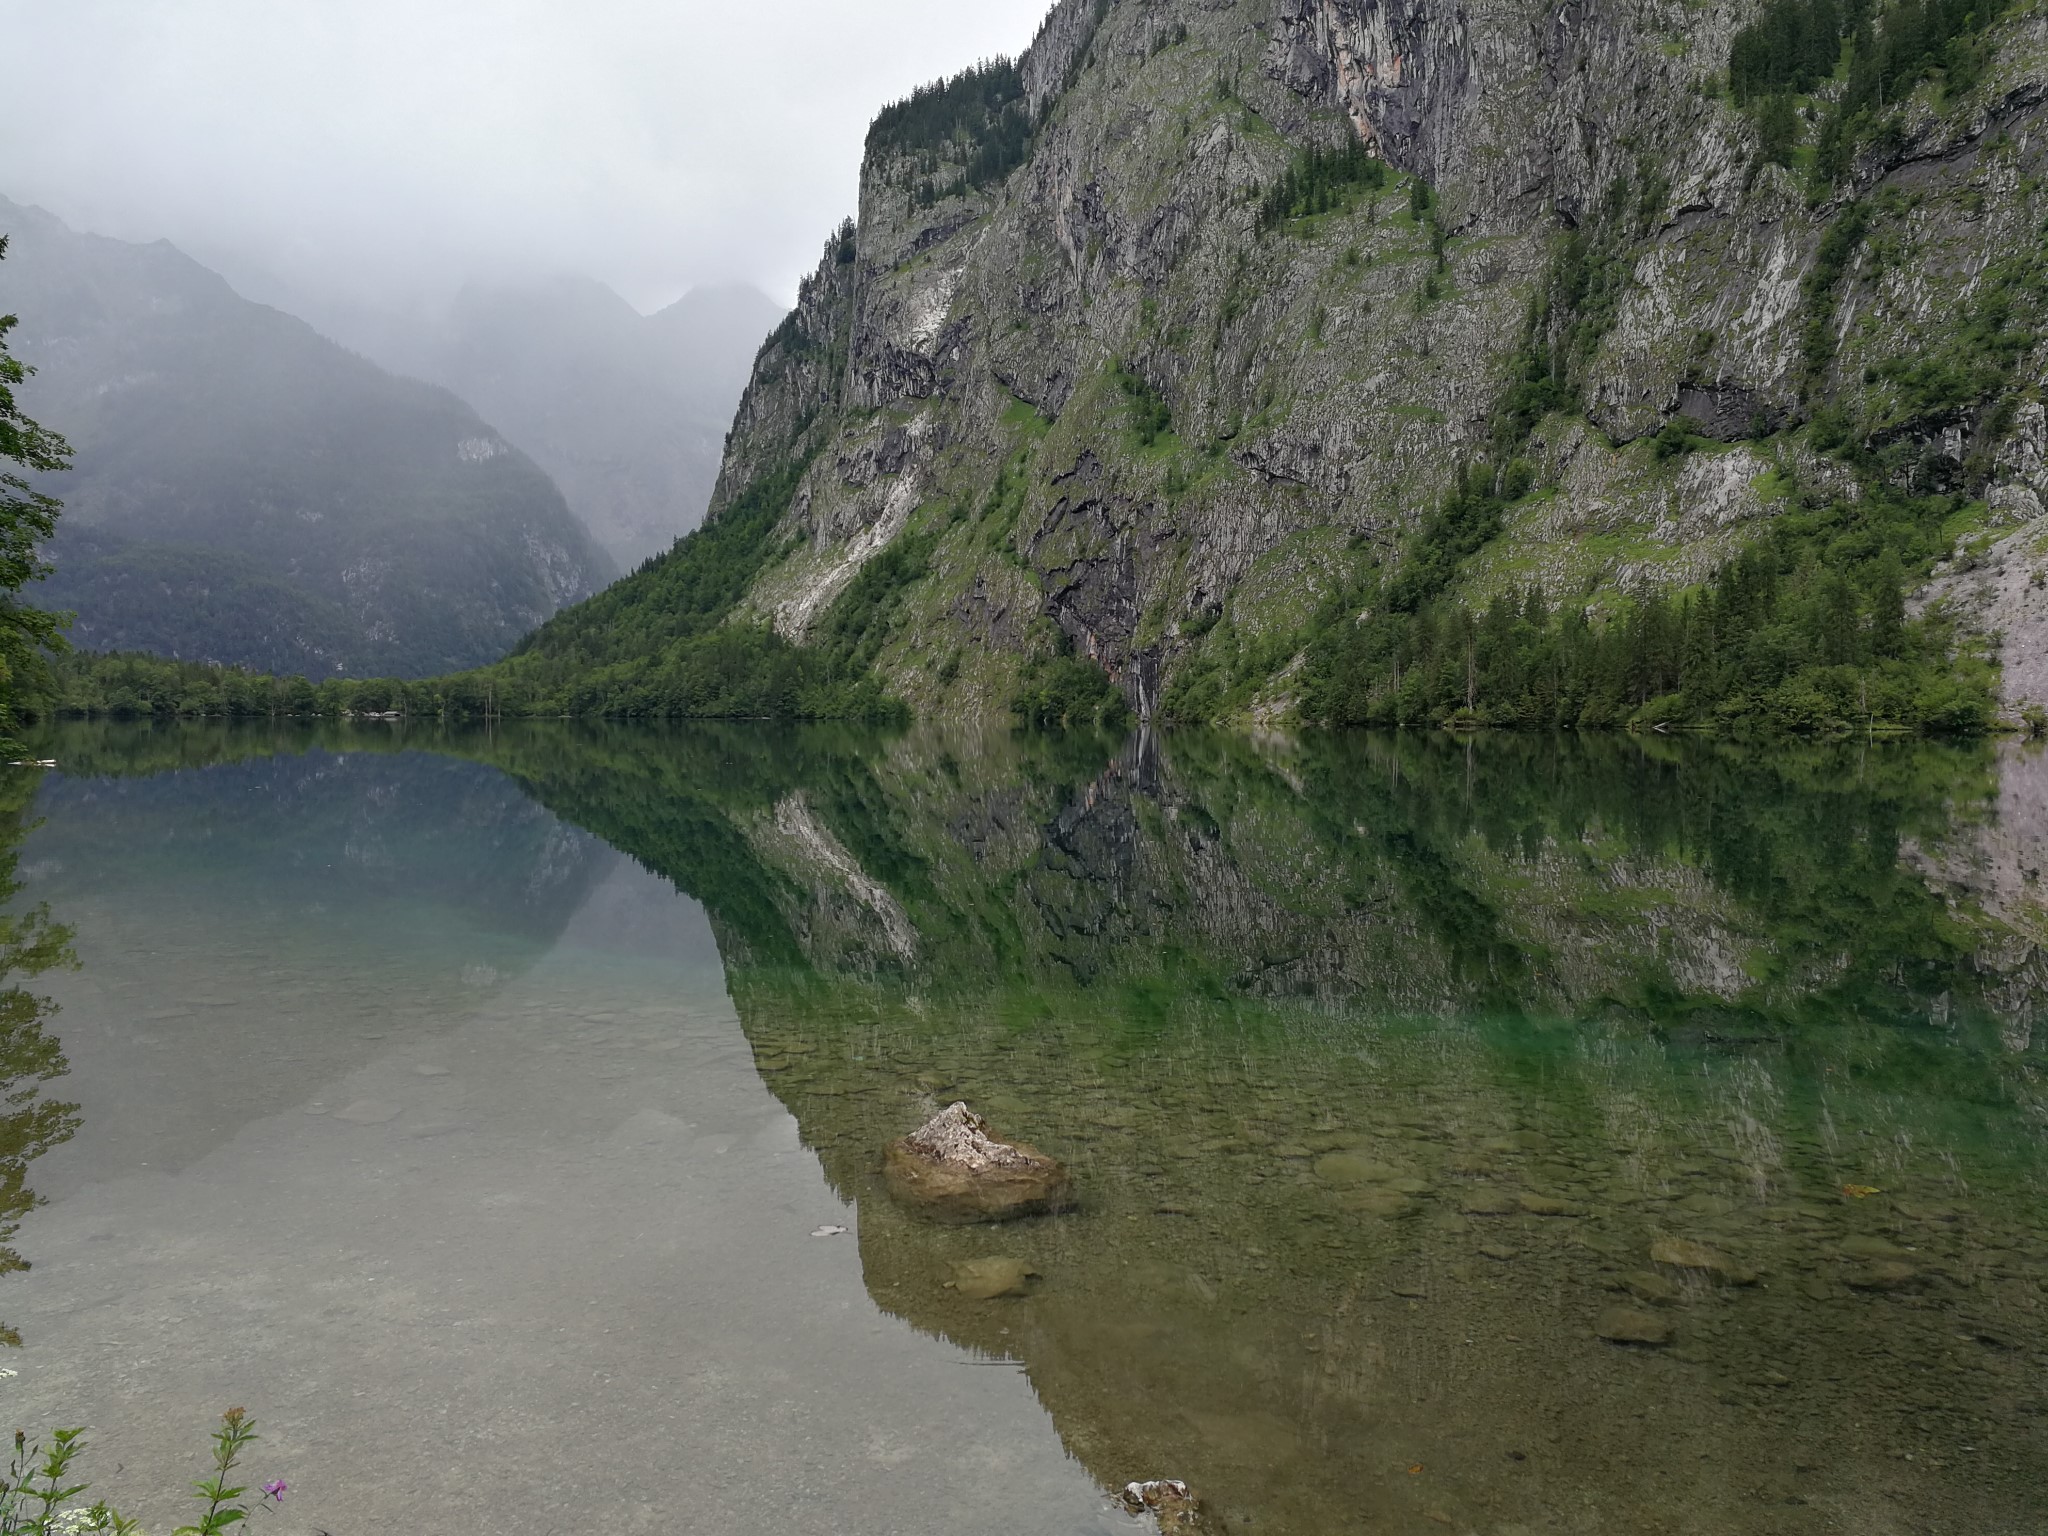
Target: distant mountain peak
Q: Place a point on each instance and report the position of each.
(246, 490)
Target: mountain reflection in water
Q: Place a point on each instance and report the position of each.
(1383, 1064)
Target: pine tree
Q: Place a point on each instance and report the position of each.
(28, 517)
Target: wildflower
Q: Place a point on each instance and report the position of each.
(274, 1489)
(96, 1521)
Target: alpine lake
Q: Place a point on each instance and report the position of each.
(1499, 1136)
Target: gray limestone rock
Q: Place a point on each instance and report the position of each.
(953, 1169)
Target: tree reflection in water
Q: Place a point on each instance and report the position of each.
(31, 1057)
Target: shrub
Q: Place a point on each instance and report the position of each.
(1068, 691)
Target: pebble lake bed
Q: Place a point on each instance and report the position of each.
(1502, 1138)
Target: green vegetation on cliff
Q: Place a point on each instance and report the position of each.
(1875, 53)
(975, 125)
(1806, 631)
(665, 643)
(1321, 181)
(1789, 48)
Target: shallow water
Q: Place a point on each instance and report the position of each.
(464, 1106)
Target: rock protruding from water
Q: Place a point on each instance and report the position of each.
(953, 1169)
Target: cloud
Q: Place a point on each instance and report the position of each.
(376, 147)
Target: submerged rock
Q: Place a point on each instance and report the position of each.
(1627, 1325)
(1707, 1205)
(1350, 1168)
(951, 1168)
(987, 1279)
(1683, 1253)
(1867, 1247)
(1884, 1275)
(1488, 1202)
(1378, 1202)
(1646, 1286)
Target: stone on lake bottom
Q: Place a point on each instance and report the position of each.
(1378, 1202)
(1913, 1211)
(1706, 1205)
(1627, 1325)
(1646, 1286)
(954, 1170)
(1350, 1168)
(1683, 1253)
(1487, 1202)
(1884, 1275)
(987, 1279)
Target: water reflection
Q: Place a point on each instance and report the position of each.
(1395, 1071)
(32, 944)
(421, 1124)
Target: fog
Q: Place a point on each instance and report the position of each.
(381, 152)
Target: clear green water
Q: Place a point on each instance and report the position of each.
(465, 1105)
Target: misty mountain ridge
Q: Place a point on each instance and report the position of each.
(626, 411)
(247, 491)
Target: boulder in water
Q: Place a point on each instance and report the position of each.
(953, 1169)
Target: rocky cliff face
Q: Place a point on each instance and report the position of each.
(1121, 405)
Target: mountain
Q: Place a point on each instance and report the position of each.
(1340, 360)
(627, 412)
(246, 491)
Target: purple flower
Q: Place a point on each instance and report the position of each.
(274, 1490)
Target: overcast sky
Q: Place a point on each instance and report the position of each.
(388, 149)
